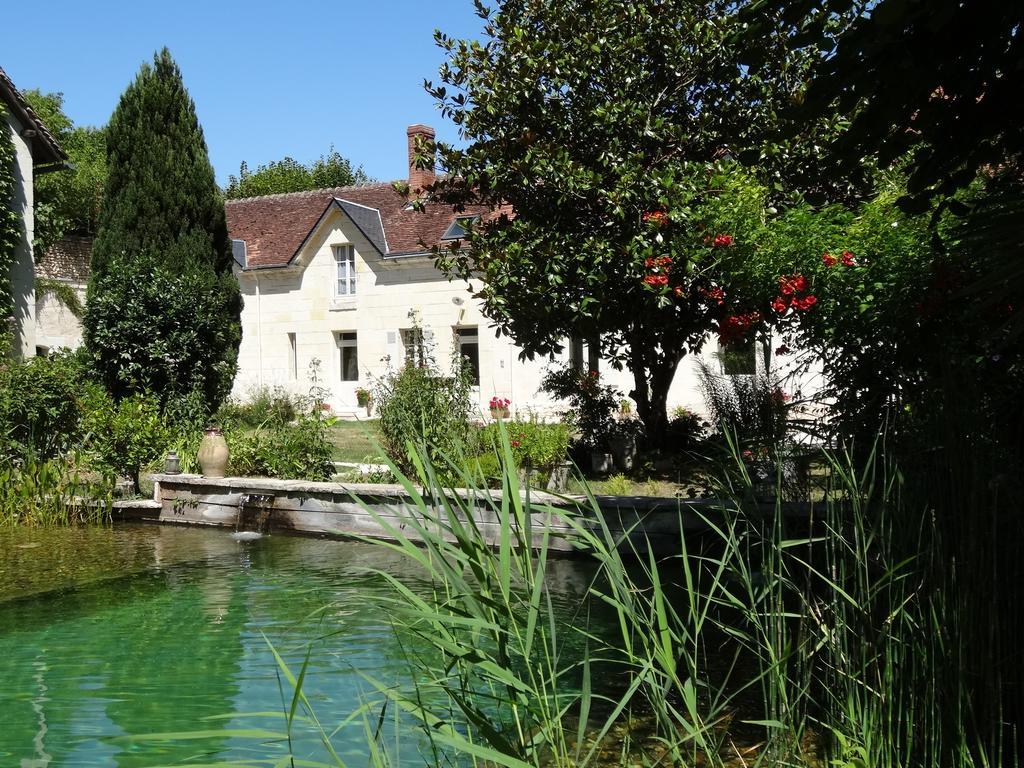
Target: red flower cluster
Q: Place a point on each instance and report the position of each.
(792, 285)
(846, 258)
(780, 395)
(658, 218)
(656, 280)
(716, 294)
(498, 403)
(660, 262)
(789, 288)
(735, 327)
(721, 241)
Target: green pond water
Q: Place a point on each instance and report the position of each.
(110, 634)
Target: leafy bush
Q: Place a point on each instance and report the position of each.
(264, 405)
(685, 429)
(591, 405)
(126, 436)
(41, 405)
(295, 451)
(290, 435)
(534, 444)
(422, 406)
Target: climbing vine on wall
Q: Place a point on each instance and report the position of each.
(65, 293)
(10, 222)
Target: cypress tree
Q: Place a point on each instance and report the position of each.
(163, 313)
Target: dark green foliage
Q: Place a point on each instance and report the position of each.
(592, 405)
(11, 226)
(163, 309)
(68, 201)
(289, 175)
(952, 70)
(41, 405)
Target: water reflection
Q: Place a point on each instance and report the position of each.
(119, 632)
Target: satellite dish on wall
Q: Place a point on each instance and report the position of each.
(458, 301)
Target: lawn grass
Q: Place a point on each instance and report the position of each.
(353, 441)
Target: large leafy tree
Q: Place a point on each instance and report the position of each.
(164, 306)
(289, 175)
(68, 201)
(607, 128)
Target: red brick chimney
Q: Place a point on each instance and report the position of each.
(419, 178)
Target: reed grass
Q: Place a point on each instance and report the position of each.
(768, 640)
(52, 492)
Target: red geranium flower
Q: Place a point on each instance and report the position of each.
(780, 304)
(656, 280)
(722, 240)
(829, 259)
(848, 260)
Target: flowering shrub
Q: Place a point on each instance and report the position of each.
(534, 444)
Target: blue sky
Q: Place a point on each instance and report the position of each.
(270, 78)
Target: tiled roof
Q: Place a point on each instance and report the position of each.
(45, 148)
(274, 227)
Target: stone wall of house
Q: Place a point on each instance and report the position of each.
(66, 262)
(293, 315)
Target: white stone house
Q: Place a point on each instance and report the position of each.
(36, 152)
(334, 274)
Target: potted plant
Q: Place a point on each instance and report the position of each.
(622, 442)
(365, 399)
(499, 407)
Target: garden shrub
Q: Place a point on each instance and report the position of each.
(277, 435)
(534, 444)
(126, 436)
(685, 429)
(41, 405)
(427, 408)
(592, 405)
(263, 405)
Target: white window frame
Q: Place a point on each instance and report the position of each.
(345, 271)
(344, 343)
(466, 335)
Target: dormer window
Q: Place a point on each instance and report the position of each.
(345, 257)
(459, 228)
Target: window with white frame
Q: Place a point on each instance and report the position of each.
(468, 340)
(348, 355)
(415, 347)
(345, 258)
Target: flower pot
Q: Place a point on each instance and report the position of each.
(600, 462)
(558, 480)
(624, 452)
(213, 453)
(499, 413)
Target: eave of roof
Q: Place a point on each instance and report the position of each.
(45, 148)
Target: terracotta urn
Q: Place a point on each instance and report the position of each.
(213, 453)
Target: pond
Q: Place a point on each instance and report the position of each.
(110, 634)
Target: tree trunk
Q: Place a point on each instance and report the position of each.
(653, 373)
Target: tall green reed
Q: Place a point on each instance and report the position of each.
(772, 636)
(39, 491)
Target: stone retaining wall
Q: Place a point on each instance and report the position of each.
(339, 509)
